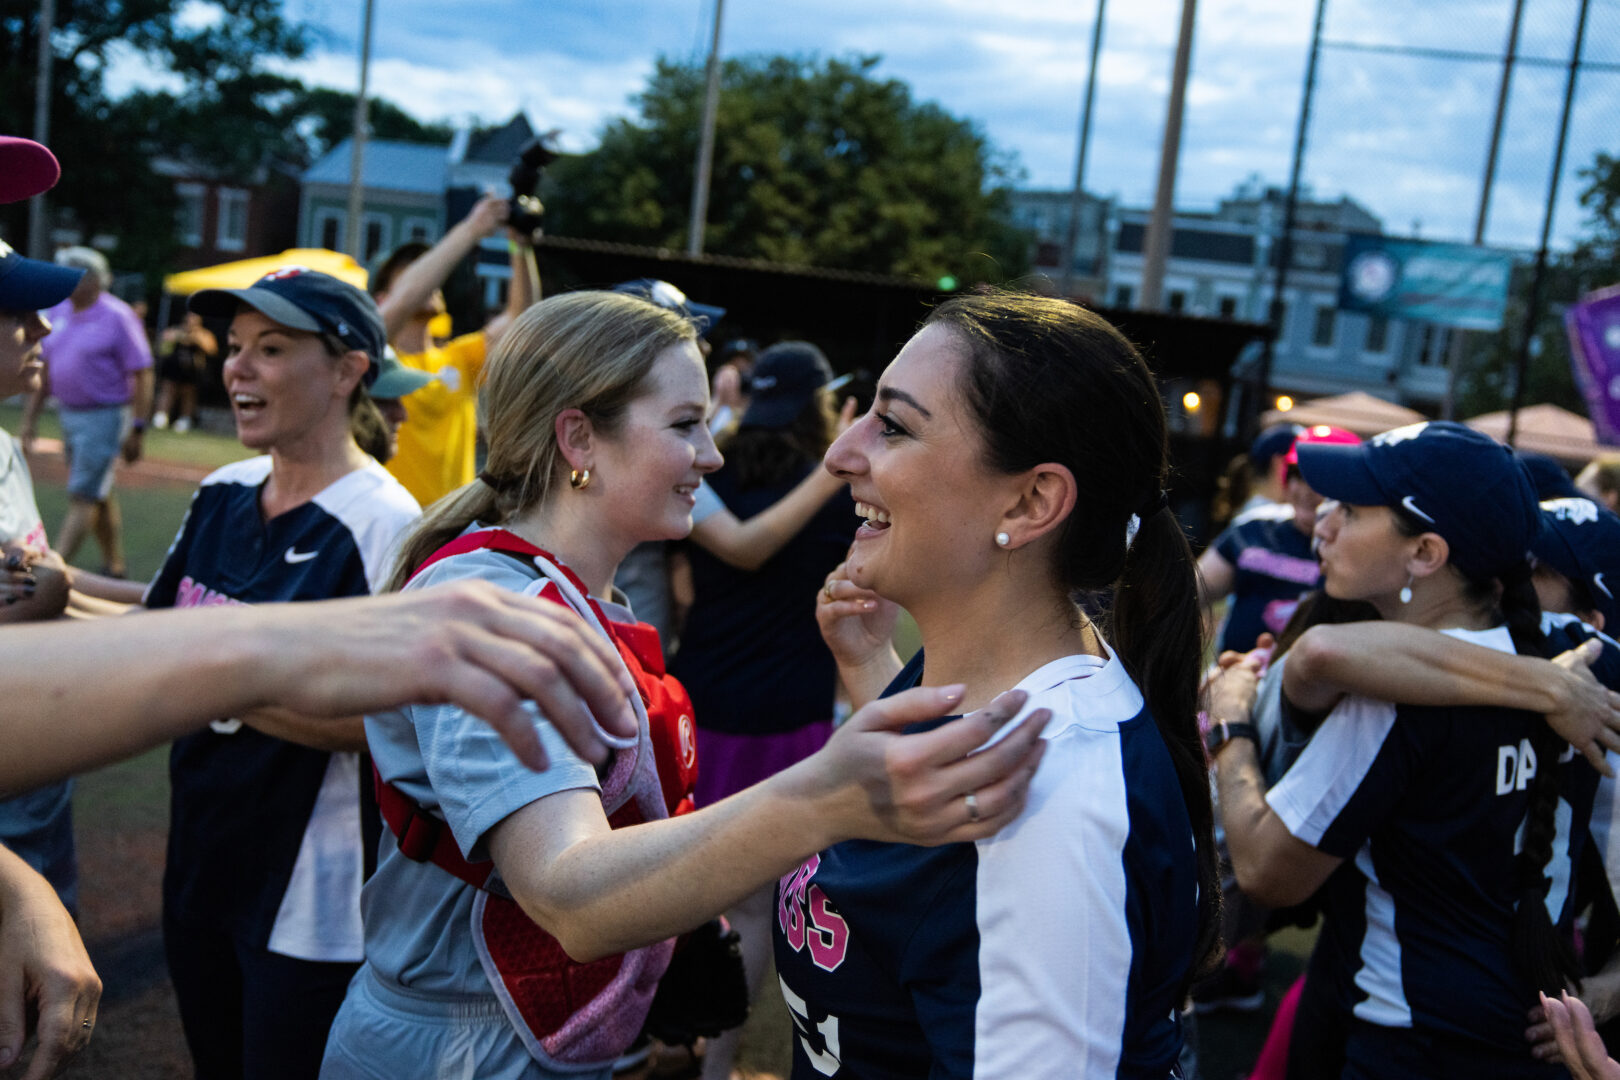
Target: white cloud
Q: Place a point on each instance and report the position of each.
(1405, 136)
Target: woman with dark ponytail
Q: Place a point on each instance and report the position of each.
(1455, 912)
(1013, 463)
(519, 922)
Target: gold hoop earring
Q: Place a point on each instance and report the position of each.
(579, 479)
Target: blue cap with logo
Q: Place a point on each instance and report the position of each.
(1448, 478)
(665, 295)
(784, 380)
(1551, 479)
(303, 299)
(1273, 442)
(32, 285)
(1581, 540)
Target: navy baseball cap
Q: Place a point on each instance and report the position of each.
(784, 380)
(665, 295)
(1549, 476)
(32, 284)
(1275, 441)
(303, 299)
(1581, 540)
(1455, 481)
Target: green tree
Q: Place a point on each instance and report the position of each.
(816, 162)
(1485, 377)
(108, 187)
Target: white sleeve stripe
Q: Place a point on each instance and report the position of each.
(1319, 785)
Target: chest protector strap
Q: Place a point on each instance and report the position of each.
(570, 1016)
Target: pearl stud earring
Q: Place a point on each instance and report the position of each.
(1002, 539)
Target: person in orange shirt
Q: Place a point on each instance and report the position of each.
(436, 447)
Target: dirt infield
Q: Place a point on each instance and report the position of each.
(49, 467)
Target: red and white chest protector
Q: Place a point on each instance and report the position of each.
(570, 1015)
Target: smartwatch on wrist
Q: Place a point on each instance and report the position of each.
(1222, 732)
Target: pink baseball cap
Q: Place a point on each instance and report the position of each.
(26, 169)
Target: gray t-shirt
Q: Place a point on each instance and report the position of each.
(417, 916)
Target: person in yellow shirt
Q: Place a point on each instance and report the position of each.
(436, 445)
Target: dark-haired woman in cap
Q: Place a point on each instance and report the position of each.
(1015, 458)
(761, 679)
(1460, 824)
(268, 841)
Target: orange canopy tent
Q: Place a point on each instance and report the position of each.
(1359, 412)
(1546, 429)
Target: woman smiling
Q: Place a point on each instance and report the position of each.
(1015, 459)
(267, 833)
(519, 922)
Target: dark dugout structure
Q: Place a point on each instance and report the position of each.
(860, 320)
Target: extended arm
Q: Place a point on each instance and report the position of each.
(524, 291)
(1273, 866)
(410, 291)
(748, 545)
(600, 891)
(321, 733)
(79, 695)
(1395, 662)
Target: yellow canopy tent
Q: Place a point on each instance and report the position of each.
(239, 275)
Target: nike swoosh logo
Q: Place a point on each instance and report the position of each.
(1406, 501)
(293, 555)
(1597, 579)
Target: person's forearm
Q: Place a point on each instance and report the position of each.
(1601, 991)
(141, 392)
(865, 683)
(411, 289)
(618, 889)
(1251, 827)
(101, 587)
(79, 695)
(749, 544)
(314, 732)
(1413, 665)
(524, 291)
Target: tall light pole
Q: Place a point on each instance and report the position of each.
(39, 245)
(357, 155)
(1071, 238)
(1283, 252)
(1156, 245)
(705, 158)
(1459, 337)
(1532, 307)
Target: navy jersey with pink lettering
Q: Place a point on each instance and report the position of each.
(1272, 568)
(1426, 805)
(266, 838)
(1057, 948)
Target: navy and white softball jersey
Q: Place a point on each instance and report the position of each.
(1273, 566)
(265, 836)
(1429, 804)
(1053, 949)
(1567, 632)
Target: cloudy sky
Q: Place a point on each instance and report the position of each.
(1404, 135)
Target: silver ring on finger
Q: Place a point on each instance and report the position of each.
(972, 802)
(88, 1024)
